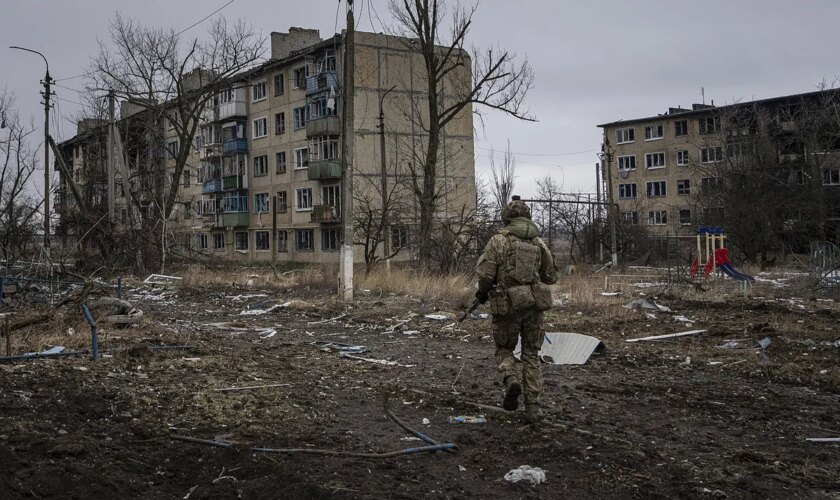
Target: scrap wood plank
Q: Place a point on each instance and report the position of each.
(667, 336)
(823, 440)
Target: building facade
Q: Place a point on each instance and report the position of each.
(732, 166)
(264, 176)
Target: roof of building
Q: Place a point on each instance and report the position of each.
(701, 109)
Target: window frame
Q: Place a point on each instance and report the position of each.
(285, 205)
(626, 158)
(305, 162)
(218, 242)
(254, 86)
(624, 187)
(625, 135)
(282, 243)
(683, 158)
(334, 238)
(279, 78)
(683, 187)
(299, 118)
(298, 199)
(264, 120)
(648, 161)
(266, 237)
(311, 240)
(663, 218)
(261, 201)
(295, 81)
(715, 152)
(680, 126)
(280, 167)
(237, 240)
(661, 190)
(280, 125)
(660, 128)
(263, 161)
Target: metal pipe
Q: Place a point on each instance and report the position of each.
(92, 323)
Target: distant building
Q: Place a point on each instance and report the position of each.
(277, 135)
(688, 167)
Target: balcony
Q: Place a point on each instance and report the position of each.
(233, 182)
(235, 146)
(231, 109)
(324, 125)
(214, 149)
(322, 81)
(235, 219)
(324, 214)
(324, 170)
(232, 204)
(211, 186)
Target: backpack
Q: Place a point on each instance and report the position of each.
(520, 284)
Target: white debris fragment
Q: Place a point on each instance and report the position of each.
(533, 475)
(668, 336)
(436, 317)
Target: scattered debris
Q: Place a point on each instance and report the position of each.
(250, 387)
(468, 419)
(328, 320)
(732, 344)
(384, 362)
(533, 475)
(259, 309)
(49, 352)
(426, 421)
(765, 342)
(823, 440)
(610, 294)
(668, 336)
(161, 279)
(638, 304)
(343, 348)
(565, 348)
(437, 317)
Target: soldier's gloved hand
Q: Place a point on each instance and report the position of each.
(482, 295)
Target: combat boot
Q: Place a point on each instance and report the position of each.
(512, 393)
(533, 413)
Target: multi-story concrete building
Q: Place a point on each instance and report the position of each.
(690, 167)
(273, 143)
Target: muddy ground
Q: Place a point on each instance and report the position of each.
(679, 418)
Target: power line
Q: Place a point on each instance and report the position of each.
(208, 16)
(69, 88)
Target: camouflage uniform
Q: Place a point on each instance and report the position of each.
(507, 328)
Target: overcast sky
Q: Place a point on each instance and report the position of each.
(595, 61)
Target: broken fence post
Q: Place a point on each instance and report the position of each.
(92, 323)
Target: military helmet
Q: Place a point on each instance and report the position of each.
(516, 208)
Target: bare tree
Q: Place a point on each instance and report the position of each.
(497, 81)
(504, 176)
(170, 80)
(18, 209)
(371, 222)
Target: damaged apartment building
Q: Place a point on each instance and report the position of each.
(268, 154)
(757, 168)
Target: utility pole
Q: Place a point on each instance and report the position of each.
(346, 262)
(606, 156)
(47, 184)
(598, 209)
(384, 226)
(111, 151)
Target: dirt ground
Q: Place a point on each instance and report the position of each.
(679, 418)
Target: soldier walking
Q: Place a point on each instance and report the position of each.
(514, 272)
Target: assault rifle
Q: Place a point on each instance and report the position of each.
(469, 311)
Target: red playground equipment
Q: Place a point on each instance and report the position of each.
(715, 255)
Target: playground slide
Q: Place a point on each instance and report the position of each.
(730, 271)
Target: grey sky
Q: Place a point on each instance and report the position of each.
(595, 61)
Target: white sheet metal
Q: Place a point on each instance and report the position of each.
(565, 348)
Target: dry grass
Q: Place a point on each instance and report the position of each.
(454, 289)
